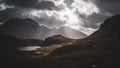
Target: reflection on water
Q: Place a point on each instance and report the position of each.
(29, 48)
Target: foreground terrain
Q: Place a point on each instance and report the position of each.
(99, 50)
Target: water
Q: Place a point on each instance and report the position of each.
(29, 48)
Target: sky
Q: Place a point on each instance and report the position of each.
(83, 15)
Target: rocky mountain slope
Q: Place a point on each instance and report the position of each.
(23, 28)
(109, 28)
(29, 29)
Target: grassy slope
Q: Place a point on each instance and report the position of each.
(104, 54)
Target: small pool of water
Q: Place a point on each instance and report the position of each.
(29, 48)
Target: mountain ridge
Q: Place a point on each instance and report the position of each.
(30, 29)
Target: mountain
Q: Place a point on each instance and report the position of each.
(67, 32)
(23, 28)
(56, 39)
(109, 28)
(71, 33)
(29, 29)
(111, 25)
(100, 50)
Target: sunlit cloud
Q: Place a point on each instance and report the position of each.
(4, 7)
(65, 16)
(85, 7)
(82, 15)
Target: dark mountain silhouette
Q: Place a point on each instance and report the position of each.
(29, 29)
(110, 28)
(23, 28)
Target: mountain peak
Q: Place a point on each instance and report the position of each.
(110, 27)
(71, 33)
(23, 28)
(20, 21)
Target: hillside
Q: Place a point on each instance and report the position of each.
(100, 50)
(23, 28)
(10, 55)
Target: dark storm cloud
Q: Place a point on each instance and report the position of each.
(23, 8)
(10, 13)
(20, 6)
(94, 20)
(107, 8)
(111, 6)
(109, 0)
(31, 4)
